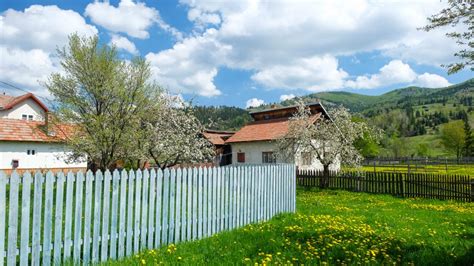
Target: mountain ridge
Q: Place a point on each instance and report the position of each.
(405, 99)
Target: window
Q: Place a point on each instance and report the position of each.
(30, 117)
(15, 164)
(241, 157)
(31, 152)
(24, 117)
(268, 157)
(306, 158)
(28, 152)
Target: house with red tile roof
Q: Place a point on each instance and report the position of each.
(223, 151)
(255, 143)
(28, 141)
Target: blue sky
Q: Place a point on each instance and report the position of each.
(239, 52)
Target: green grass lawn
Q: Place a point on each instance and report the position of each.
(337, 227)
(450, 169)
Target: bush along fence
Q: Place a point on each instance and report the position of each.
(433, 186)
(87, 218)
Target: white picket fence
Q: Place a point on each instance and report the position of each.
(87, 218)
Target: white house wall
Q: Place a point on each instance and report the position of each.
(316, 164)
(253, 151)
(27, 107)
(47, 155)
(253, 155)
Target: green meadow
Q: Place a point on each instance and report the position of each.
(338, 227)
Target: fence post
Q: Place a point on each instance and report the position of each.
(472, 191)
(403, 183)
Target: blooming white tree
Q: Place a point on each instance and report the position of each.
(329, 139)
(174, 134)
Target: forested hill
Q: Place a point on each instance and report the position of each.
(411, 95)
(422, 108)
(222, 117)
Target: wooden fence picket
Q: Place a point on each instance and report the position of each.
(194, 203)
(87, 218)
(144, 209)
(137, 209)
(25, 217)
(36, 226)
(235, 200)
(78, 217)
(151, 209)
(98, 179)
(178, 223)
(204, 202)
(159, 207)
(3, 215)
(208, 203)
(67, 216)
(114, 214)
(199, 203)
(172, 204)
(122, 217)
(238, 198)
(184, 219)
(13, 218)
(130, 208)
(219, 200)
(165, 221)
(225, 195)
(214, 202)
(104, 239)
(189, 204)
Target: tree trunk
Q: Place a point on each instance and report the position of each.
(91, 165)
(326, 176)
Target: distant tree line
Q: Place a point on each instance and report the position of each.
(222, 117)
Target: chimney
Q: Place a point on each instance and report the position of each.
(49, 125)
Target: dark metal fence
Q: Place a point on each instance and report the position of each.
(433, 186)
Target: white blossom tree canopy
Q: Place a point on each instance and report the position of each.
(174, 134)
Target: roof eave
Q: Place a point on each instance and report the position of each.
(23, 98)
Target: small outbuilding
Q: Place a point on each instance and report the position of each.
(223, 150)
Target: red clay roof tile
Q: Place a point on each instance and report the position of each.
(34, 131)
(263, 130)
(217, 137)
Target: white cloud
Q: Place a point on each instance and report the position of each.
(123, 43)
(428, 80)
(41, 27)
(202, 18)
(288, 44)
(29, 39)
(128, 17)
(285, 97)
(313, 74)
(397, 72)
(26, 68)
(190, 66)
(254, 102)
(394, 72)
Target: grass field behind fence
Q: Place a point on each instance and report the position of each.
(452, 169)
(337, 227)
